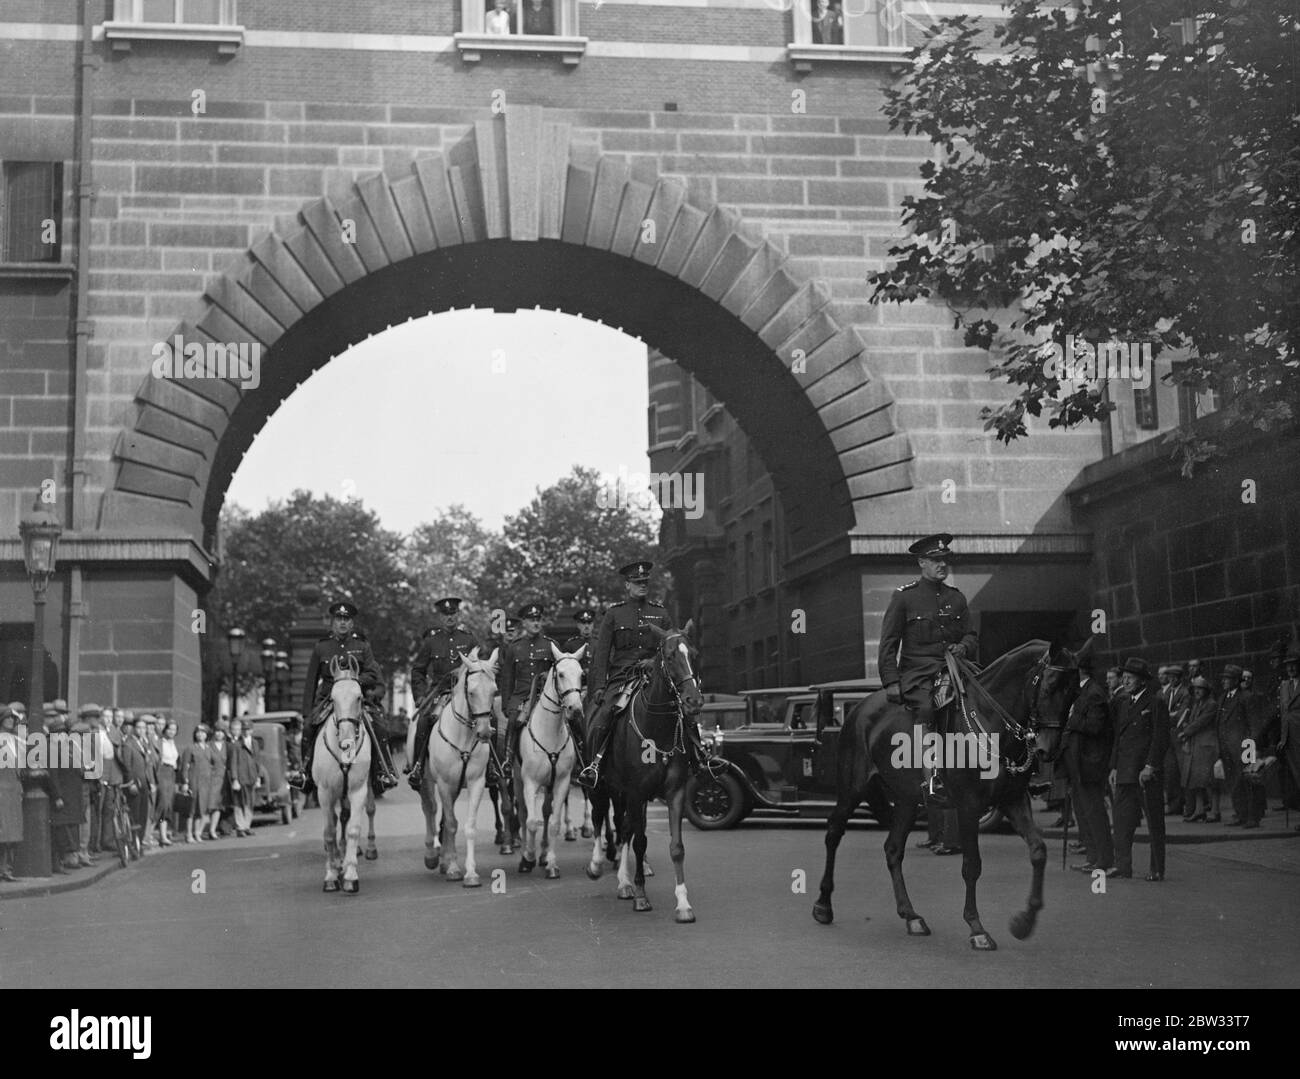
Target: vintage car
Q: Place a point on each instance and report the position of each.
(271, 735)
(777, 762)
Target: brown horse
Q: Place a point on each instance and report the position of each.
(877, 763)
(647, 759)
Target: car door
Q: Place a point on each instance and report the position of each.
(822, 782)
(801, 727)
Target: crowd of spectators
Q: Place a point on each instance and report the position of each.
(209, 790)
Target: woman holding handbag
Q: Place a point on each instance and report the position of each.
(168, 759)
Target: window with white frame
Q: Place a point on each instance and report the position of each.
(536, 26)
(214, 21)
(847, 30)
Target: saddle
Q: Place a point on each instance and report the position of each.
(626, 691)
(942, 691)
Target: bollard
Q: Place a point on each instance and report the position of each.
(32, 858)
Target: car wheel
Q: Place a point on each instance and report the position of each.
(992, 821)
(712, 804)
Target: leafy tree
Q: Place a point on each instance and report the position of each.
(338, 545)
(1112, 183)
(568, 532)
(445, 557)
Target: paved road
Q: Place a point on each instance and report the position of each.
(1219, 920)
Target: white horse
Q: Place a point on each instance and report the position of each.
(341, 771)
(546, 758)
(457, 758)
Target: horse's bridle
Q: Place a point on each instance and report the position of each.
(679, 739)
(473, 717)
(1025, 735)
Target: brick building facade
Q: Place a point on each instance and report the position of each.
(702, 174)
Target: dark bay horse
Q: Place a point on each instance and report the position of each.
(647, 759)
(1033, 683)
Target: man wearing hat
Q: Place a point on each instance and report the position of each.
(1136, 761)
(343, 641)
(925, 620)
(586, 620)
(1288, 710)
(523, 665)
(623, 641)
(1174, 694)
(1234, 724)
(1086, 753)
(442, 651)
(19, 711)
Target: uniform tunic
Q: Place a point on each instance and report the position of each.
(438, 657)
(320, 682)
(524, 660)
(922, 620)
(624, 638)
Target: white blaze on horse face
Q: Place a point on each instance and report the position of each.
(345, 695)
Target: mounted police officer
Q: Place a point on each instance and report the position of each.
(624, 645)
(433, 674)
(925, 620)
(586, 619)
(343, 641)
(526, 661)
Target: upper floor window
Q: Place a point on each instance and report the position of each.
(520, 26)
(175, 20)
(847, 30)
(31, 211)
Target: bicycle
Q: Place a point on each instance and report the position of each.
(125, 842)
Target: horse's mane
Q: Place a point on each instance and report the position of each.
(996, 670)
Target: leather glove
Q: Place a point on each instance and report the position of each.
(894, 693)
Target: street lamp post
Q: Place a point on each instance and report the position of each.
(235, 639)
(281, 678)
(268, 671)
(40, 532)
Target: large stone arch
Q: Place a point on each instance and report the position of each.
(517, 217)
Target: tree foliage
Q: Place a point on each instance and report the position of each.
(565, 534)
(445, 557)
(1107, 181)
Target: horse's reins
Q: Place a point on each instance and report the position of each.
(679, 736)
(558, 702)
(1024, 735)
(467, 721)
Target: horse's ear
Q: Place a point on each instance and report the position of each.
(580, 652)
(492, 659)
(659, 634)
(1086, 651)
(688, 631)
(555, 652)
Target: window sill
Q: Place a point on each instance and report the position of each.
(804, 56)
(472, 46)
(710, 412)
(227, 39)
(47, 271)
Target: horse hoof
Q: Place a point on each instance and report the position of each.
(570, 835)
(1022, 924)
(641, 904)
(822, 913)
(552, 872)
(331, 886)
(586, 832)
(648, 871)
(473, 882)
(526, 866)
(594, 871)
(500, 838)
(430, 863)
(684, 917)
(371, 854)
(982, 942)
(351, 887)
(454, 875)
(916, 927)
(442, 868)
(505, 848)
(626, 891)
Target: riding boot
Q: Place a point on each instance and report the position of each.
(932, 788)
(423, 729)
(301, 779)
(590, 775)
(575, 732)
(381, 765)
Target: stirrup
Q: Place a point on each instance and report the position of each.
(590, 775)
(297, 780)
(416, 777)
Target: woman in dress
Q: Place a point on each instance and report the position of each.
(217, 790)
(11, 793)
(195, 773)
(168, 759)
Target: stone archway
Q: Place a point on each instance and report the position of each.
(517, 217)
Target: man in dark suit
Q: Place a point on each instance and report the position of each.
(1136, 760)
(1087, 754)
(134, 761)
(1288, 709)
(1236, 712)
